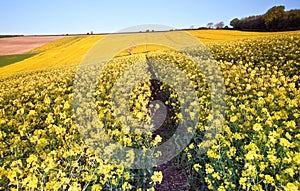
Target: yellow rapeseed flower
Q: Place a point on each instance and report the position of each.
(257, 127)
(197, 167)
(291, 187)
(157, 177)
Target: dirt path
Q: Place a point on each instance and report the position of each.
(20, 45)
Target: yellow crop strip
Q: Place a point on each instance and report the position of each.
(142, 49)
(64, 52)
(214, 36)
(57, 43)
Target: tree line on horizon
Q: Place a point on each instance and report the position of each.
(275, 19)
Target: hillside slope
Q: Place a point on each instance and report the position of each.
(71, 50)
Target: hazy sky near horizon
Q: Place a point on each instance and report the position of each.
(82, 16)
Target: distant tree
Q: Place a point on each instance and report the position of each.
(235, 23)
(210, 25)
(292, 19)
(147, 30)
(275, 19)
(219, 25)
(192, 27)
(272, 17)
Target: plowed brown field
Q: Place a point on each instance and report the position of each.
(20, 45)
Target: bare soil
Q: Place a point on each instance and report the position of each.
(174, 179)
(24, 44)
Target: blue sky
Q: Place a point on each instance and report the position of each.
(82, 16)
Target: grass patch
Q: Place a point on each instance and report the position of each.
(10, 59)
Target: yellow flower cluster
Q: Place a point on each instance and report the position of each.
(41, 147)
(259, 146)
